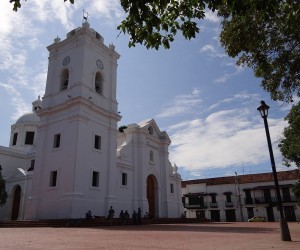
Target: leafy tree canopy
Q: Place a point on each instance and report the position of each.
(17, 3)
(296, 190)
(265, 35)
(290, 143)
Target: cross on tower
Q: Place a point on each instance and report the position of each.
(85, 16)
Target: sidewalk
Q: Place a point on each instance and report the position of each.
(226, 235)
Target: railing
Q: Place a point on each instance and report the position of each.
(289, 199)
(262, 200)
(193, 206)
(213, 204)
(248, 201)
(228, 204)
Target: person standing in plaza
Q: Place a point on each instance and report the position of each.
(139, 217)
(111, 213)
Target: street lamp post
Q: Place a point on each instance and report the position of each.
(284, 229)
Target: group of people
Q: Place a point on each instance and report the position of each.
(136, 217)
(124, 216)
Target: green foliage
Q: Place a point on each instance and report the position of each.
(155, 22)
(296, 190)
(3, 194)
(290, 143)
(121, 129)
(265, 35)
(17, 3)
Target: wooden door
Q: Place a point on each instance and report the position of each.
(16, 203)
(151, 196)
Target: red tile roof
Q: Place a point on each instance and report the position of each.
(248, 178)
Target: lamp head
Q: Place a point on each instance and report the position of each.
(263, 109)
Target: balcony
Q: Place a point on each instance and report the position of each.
(286, 199)
(248, 201)
(196, 206)
(263, 200)
(228, 204)
(213, 204)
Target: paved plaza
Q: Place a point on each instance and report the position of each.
(226, 235)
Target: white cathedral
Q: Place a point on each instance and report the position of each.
(68, 156)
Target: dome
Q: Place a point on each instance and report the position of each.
(28, 118)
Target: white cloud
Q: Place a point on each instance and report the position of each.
(211, 16)
(17, 101)
(108, 11)
(243, 98)
(227, 76)
(223, 139)
(211, 51)
(181, 104)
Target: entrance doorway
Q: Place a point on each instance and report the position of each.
(16, 203)
(215, 215)
(250, 212)
(152, 196)
(289, 212)
(230, 215)
(270, 213)
(200, 214)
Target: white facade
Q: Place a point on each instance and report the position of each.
(81, 160)
(238, 198)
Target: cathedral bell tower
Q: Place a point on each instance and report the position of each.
(76, 138)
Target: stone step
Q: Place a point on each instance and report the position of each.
(92, 222)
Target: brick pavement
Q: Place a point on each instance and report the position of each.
(238, 235)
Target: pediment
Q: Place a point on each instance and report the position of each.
(151, 128)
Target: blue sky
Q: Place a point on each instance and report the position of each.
(194, 91)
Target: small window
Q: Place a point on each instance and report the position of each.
(29, 138)
(56, 142)
(228, 197)
(124, 179)
(15, 138)
(98, 83)
(64, 80)
(172, 188)
(97, 142)
(150, 130)
(31, 165)
(213, 199)
(151, 155)
(53, 178)
(95, 179)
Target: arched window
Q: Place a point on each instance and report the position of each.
(64, 80)
(98, 83)
(151, 156)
